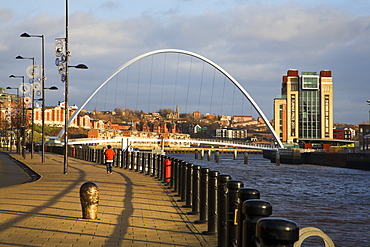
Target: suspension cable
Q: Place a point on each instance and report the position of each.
(150, 83)
(138, 86)
(187, 94)
(201, 84)
(163, 78)
(177, 74)
(213, 85)
(223, 95)
(127, 80)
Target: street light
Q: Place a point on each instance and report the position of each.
(65, 79)
(11, 135)
(26, 35)
(32, 101)
(23, 118)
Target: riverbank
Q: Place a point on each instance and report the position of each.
(344, 160)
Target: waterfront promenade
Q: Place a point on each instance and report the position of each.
(134, 209)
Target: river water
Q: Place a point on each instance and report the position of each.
(335, 200)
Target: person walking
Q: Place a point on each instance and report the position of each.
(109, 155)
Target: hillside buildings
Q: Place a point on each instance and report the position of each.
(305, 108)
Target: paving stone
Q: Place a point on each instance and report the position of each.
(134, 209)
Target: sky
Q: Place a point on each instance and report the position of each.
(255, 41)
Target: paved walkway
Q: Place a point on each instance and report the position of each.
(134, 209)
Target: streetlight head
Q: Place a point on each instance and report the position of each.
(81, 66)
(8, 88)
(12, 76)
(25, 35)
(19, 57)
(53, 88)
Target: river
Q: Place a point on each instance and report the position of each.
(335, 200)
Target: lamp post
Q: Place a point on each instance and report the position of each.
(26, 35)
(23, 122)
(11, 125)
(65, 78)
(32, 101)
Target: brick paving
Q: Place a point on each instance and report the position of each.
(134, 209)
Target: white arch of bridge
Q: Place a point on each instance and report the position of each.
(224, 72)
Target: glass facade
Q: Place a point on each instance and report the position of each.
(309, 114)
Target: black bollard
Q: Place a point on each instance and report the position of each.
(115, 157)
(217, 156)
(212, 203)
(232, 205)
(160, 167)
(196, 153)
(175, 173)
(244, 194)
(143, 162)
(276, 232)
(138, 161)
(235, 154)
(133, 160)
(179, 178)
(203, 200)
(149, 164)
(128, 160)
(123, 159)
(246, 158)
(183, 182)
(222, 210)
(89, 197)
(154, 165)
(209, 155)
(253, 210)
(189, 185)
(96, 151)
(195, 191)
(118, 155)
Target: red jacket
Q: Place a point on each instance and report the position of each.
(109, 154)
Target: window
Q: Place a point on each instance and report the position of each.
(310, 82)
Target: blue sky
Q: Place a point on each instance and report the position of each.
(255, 41)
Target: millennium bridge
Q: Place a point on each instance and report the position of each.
(127, 142)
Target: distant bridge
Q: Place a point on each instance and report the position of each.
(128, 141)
(192, 54)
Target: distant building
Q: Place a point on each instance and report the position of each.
(305, 107)
(343, 134)
(210, 116)
(230, 133)
(197, 114)
(241, 118)
(364, 137)
(175, 114)
(224, 120)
